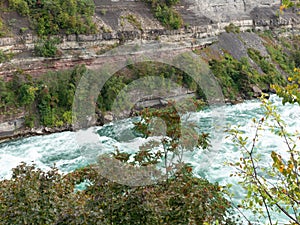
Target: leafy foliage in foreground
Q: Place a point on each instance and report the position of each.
(36, 197)
(290, 93)
(272, 184)
(271, 187)
(32, 196)
(178, 137)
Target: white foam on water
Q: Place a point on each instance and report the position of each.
(72, 150)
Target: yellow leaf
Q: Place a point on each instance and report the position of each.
(281, 168)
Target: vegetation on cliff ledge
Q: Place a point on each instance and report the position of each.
(48, 100)
(54, 92)
(164, 11)
(57, 16)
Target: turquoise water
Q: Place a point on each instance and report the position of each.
(70, 150)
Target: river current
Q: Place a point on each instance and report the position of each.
(69, 150)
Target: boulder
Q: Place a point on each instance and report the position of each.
(257, 92)
(108, 117)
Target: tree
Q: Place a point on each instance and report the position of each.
(36, 197)
(178, 136)
(33, 196)
(271, 187)
(27, 94)
(290, 93)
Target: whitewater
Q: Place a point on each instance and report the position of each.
(71, 150)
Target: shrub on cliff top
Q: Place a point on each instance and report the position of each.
(46, 47)
(20, 6)
(165, 13)
(231, 28)
(56, 16)
(168, 17)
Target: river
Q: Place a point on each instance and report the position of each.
(69, 150)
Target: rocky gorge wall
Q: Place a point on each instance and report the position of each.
(206, 23)
(204, 20)
(227, 10)
(76, 48)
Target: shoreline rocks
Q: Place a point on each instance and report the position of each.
(107, 118)
(38, 131)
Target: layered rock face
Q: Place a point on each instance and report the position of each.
(226, 10)
(194, 12)
(205, 22)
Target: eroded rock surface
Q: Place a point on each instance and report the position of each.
(226, 10)
(205, 23)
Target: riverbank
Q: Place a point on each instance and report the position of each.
(29, 132)
(245, 53)
(248, 77)
(22, 132)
